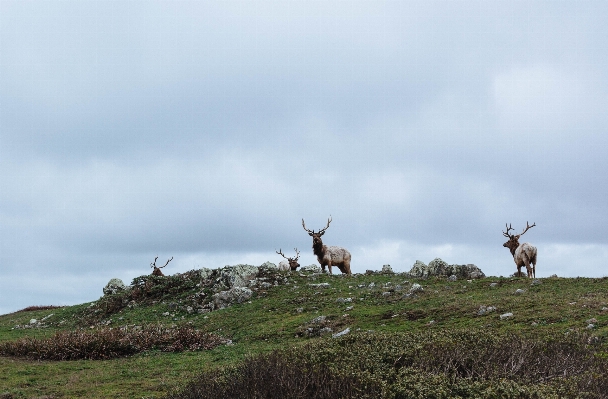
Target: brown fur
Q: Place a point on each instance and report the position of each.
(329, 256)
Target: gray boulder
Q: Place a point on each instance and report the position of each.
(268, 265)
(223, 299)
(438, 267)
(311, 269)
(419, 269)
(387, 269)
(237, 276)
(467, 272)
(205, 273)
(114, 286)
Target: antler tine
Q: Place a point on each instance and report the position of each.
(166, 263)
(328, 222)
(508, 228)
(303, 225)
(528, 227)
(297, 253)
(280, 252)
(153, 265)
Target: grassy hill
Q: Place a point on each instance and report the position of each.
(447, 339)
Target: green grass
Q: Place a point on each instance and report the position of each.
(276, 319)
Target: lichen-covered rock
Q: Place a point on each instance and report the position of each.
(466, 272)
(236, 276)
(438, 267)
(223, 299)
(268, 265)
(387, 269)
(415, 288)
(311, 269)
(205, 273)
(114, 286)
(419, 269)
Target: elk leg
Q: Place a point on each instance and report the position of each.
(518, 271)
(347, 267)
(528, 269)
(329, 267)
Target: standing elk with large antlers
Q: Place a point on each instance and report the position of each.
(523, 254)
(293, 262)
(329, 256)
(157, 271)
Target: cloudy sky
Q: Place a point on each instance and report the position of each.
(207, 130)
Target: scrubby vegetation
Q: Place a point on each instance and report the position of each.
(408, 338)
(109, 343)
(439, 364)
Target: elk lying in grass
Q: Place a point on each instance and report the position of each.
(157, 271)
(523, 254)
(329, 256)
(293, 262)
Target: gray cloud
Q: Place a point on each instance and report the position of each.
(207, 131)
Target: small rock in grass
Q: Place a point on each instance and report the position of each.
(506, 316)
(341, 333)
(519, 291)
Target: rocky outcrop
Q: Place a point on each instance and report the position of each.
(226, 298)
(314, 268)
(114, 286)
(236, 276)
(438, 267)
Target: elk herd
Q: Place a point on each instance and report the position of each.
(523, 254)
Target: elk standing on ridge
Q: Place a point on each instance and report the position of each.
(293, 262)
(156, 271)
(523, 254)
(329, 256)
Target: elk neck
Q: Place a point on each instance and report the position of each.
(318, 248)
(513, 246)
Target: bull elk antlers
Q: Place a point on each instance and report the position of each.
(157, 271)
(320, 232)
(506, 234)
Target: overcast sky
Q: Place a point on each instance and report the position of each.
(207, 130)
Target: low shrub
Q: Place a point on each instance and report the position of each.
(109, 343)
(277, 376)
(430, 364)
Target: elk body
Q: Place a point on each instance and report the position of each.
(328, 256)
(523, 254)
(157, 271)
(293, 262)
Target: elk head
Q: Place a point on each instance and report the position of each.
(157, 271)
(513, 242)
(293, 262)
(316, 237)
